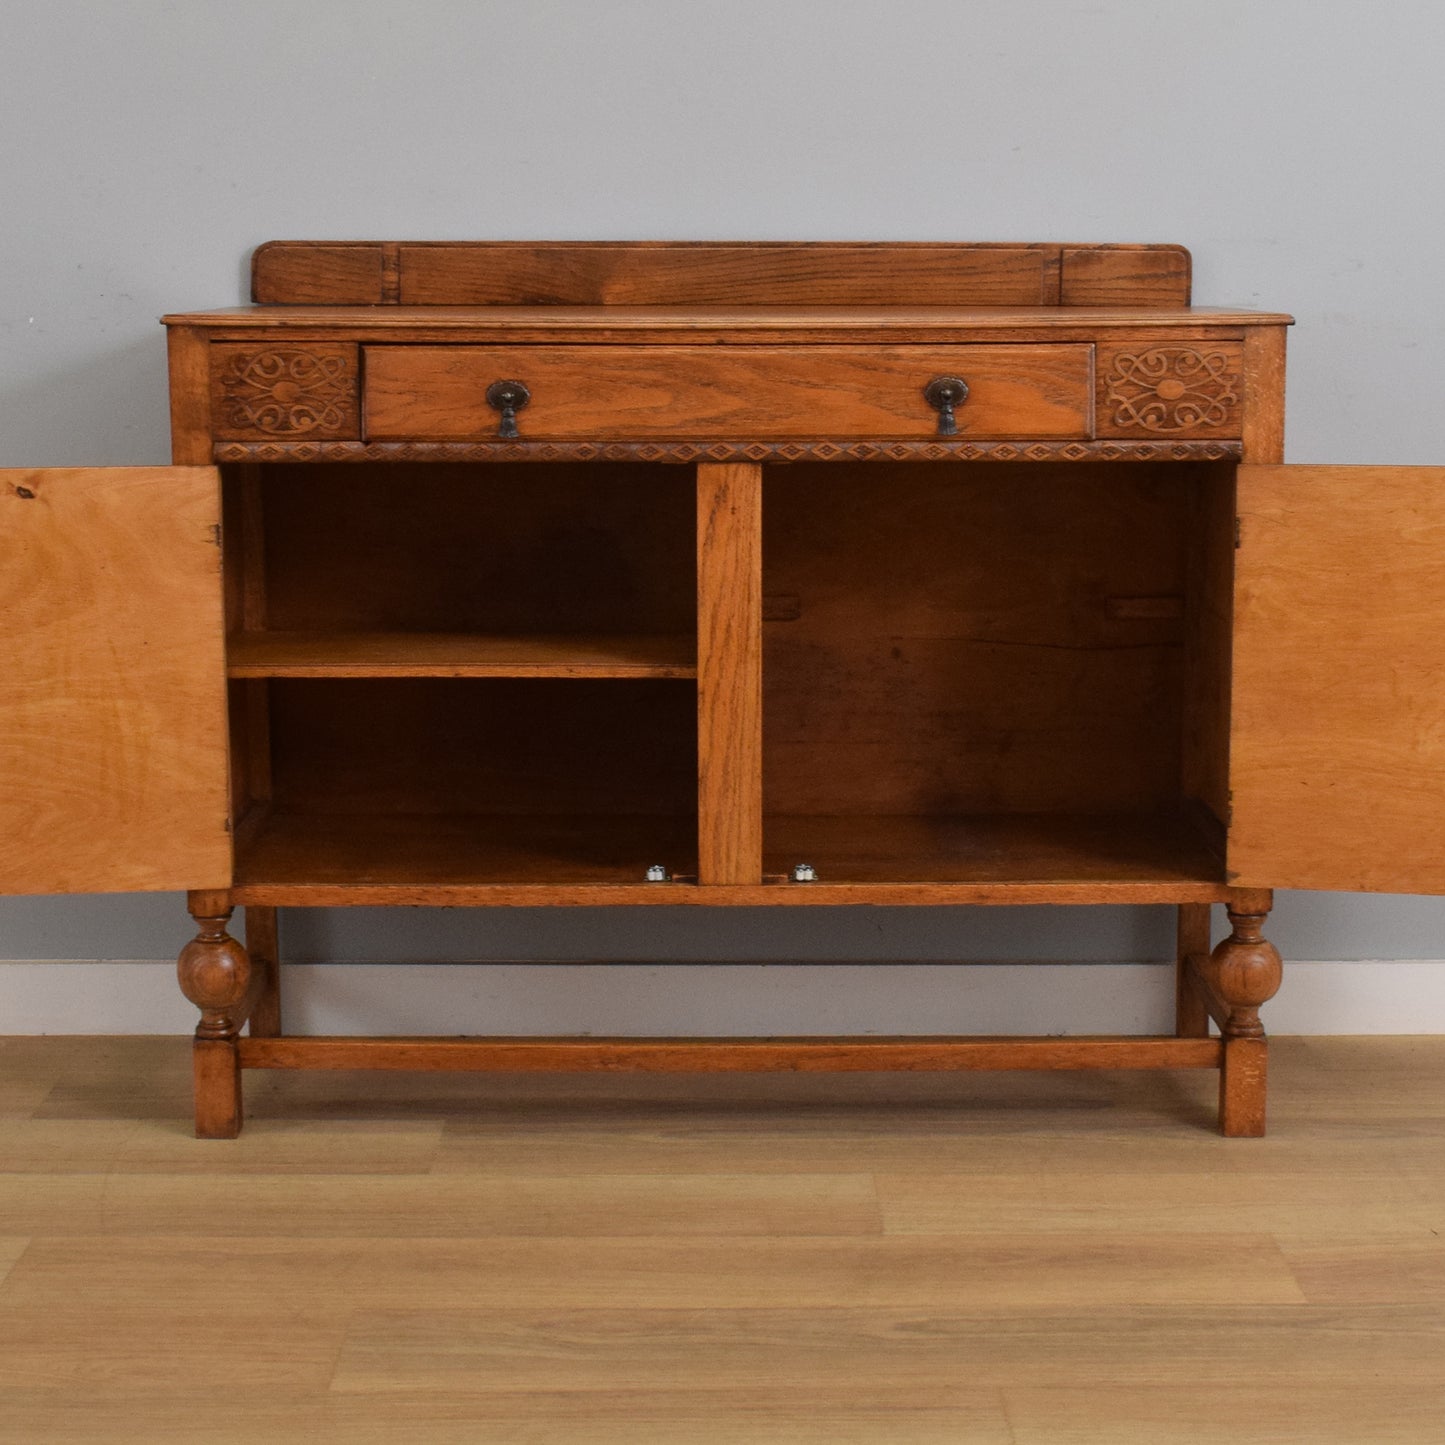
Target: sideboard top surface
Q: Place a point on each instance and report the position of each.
(721, 324)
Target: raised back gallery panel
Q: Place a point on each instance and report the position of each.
(706, 273)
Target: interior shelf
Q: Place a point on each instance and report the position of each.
(320, 654)
(288, 848)
(992, 848)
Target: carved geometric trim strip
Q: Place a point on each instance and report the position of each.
(1178, 390)
(723, 451)
(284, 391)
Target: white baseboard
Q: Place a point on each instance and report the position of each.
(129, 997)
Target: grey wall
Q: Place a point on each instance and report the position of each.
(147, 145)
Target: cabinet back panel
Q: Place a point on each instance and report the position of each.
(492, 746)
(532, 548)
(974, 638)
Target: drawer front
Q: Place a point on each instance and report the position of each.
(578, 393)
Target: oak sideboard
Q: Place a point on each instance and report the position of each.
(758, 575)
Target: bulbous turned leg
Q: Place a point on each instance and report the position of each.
(1245, 972)
(215, 974)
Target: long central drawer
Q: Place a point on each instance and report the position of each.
(439, 393)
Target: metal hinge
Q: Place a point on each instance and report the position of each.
(215, 530)
(1238, 534)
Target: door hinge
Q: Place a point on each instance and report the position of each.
(1238, 534)
(215, 530)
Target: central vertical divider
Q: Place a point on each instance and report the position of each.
(730, 673)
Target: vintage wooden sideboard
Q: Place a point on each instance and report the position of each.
(756, 575)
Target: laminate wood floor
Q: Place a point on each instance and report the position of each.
(755, 1260)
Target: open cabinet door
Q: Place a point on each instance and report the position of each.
(1337, 751)
(113, 749)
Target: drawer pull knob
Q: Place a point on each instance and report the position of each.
(944, 393)
(507, 397)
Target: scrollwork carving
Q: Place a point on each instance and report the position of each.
(1179, 389)
(286, 391)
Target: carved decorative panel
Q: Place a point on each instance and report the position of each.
(1173, 391)
(288, 393)
(724, 451)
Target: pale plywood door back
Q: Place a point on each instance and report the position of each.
(113, 770)
(1337, 755)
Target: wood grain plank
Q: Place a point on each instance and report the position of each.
(1155, 276)
(1337, 757)
(1100, 1266)
(89, 1412)
(188, 350)
(263, 945)
(180, 1274)
(729, 672)
(456, 654)
(1336, 1404)
(724, 1055)
(1264, 382)
(1098, 1200)
(1192, 940)
(717, 273)
(416, 1205)
(713, 274)
(127, 1143)
(295, 273)
(113, 744)
(648, 1350)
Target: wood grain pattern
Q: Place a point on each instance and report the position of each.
(456, 1266)
(1338, 744)
(188, 350)
(263, 947)
(693, 1055)
(433, 393)
(1018, 848)
(558, 550)
(319, 273)
(1264, 383)
(320, 858)
(345, 852)
(489, 748)
(716, 273)
(733, 325)
(1192, 941)
(955, 652)
(113, 751)
(451, 654)
(729, 672)
(1157, 276)
(1208, 643)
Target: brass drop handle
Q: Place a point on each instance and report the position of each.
(944, 393)
(507, 397)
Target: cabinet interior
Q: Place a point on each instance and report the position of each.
(982, 671)
(486, 673)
